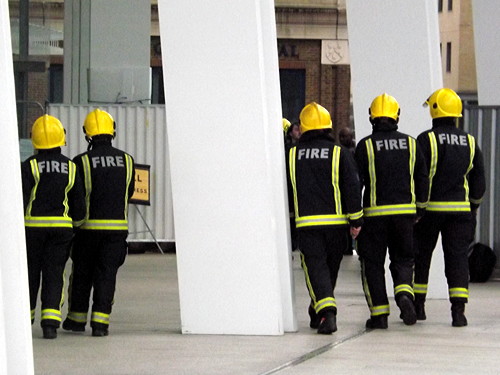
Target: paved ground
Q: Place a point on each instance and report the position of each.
(145, 335)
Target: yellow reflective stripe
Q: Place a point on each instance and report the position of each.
(403, 288)
(129, 164)
(380, 310)
(459, 293)
(325, 302)
(413, 158)
(314, 220)
(105, 225)
(336, 179)
(449, 206)
(87, 179)
(355, 215)
(434, 160)
(48, 221)
(79, 317)
(371, 172)
(71, 182)
(366, 289)
(422, 204)
(393, 209)
(36, 175)
(33, 314)
(291, 162)
(51, 314)
(100, 317)
(472, 147)
(307, 279)
(420, 288)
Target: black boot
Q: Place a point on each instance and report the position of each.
(420, 308)
(71, 325)
(314, 318)
(328, 323)
(407, 308)
(457, 314)
(49, 332)
(377, 322)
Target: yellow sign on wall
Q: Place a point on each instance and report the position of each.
(142, 186)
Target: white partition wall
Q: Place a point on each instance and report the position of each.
(16, 352)
(487, 46)
(227, 166)
(394, 47)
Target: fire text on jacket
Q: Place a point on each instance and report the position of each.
(107, 161)
(313, 153)
(52, 166)
(452, 139)
(392, 144)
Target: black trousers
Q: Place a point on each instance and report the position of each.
(392, 233)
(97, 256)
(322, 251)
(47, 254)
(457, 233)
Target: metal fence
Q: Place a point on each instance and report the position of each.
(141, 130)
(481, 122)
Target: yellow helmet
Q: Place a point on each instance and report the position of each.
(99, 122)
(444, 103)
(286, 125)
(313, 117)
(384, 106)
(47, 132)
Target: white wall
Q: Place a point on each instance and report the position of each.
(394, 47)
(16, 351)
(486, 14)
(227, 166)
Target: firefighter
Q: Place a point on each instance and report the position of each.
(457, 180)
(53, 202)
(100, 244)
(396, 184)
(324, 188)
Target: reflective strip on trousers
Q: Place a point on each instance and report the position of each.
(79, 317)
(403, 288)
(325, 302)
(51, 314)
(420, 288)
(380, 310)
(459, 293)
(100, 317)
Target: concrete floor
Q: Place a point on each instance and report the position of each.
(145, 335)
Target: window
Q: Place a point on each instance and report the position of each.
(450, 5)
(448, 57)
(157, 90)
(56, 83)
(440, 5)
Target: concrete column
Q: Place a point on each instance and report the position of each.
(227, 166)
(487, 45)
(16, 352)
(394, 47)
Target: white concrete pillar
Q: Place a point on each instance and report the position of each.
(487, 47)
(394, 48)
(16, 351)
(227, 166)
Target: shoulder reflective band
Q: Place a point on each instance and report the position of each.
(291, 162)
(413, 158)
(336, 179)
(434, 160)
(472, 146)
(36, 176)
(371, 170)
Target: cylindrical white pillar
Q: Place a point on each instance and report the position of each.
(16, 351)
